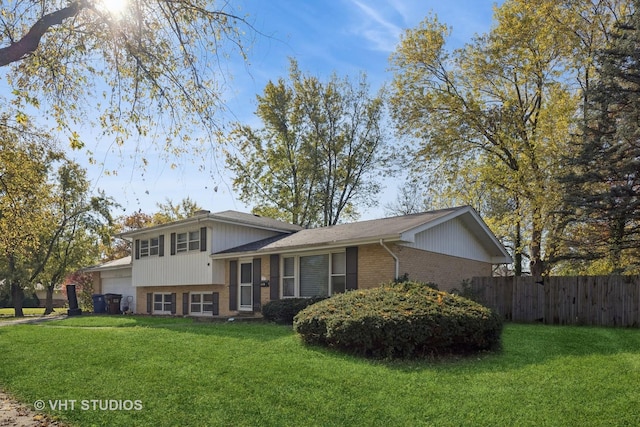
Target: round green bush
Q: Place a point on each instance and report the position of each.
(400, 320)
(283, 311)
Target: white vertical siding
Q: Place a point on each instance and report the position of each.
(188, 268)
(193, 267)
(227, 236)
(451, 238)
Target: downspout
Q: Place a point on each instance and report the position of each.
(395, 257)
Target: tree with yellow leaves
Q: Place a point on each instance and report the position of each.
(149, 69)
(497, 115)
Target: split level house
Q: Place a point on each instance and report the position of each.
(232, 263)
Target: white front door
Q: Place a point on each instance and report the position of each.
(246, 286)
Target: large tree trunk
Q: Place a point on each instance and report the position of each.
(537, 263)
(517, 252)
(48, 305)
(17, 295)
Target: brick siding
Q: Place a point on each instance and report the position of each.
(376, 266)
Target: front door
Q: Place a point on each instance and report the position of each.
(246, 286)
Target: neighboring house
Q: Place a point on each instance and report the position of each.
(231, 263)
(58, 298)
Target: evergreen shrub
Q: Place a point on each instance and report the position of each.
(283, 311)
(400, 320)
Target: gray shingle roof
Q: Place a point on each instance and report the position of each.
(256, 220)
(224, 216)
(385, 228)
(109, 265)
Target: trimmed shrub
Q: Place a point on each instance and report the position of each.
(400, 320)
(283, 311)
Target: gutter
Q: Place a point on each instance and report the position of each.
(395, 257)
(297, 249)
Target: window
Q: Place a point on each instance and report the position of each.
(202, 303)
(181, 242)
(338, 273)
(188, 241)
(314, 275)
(153, 246)
(289, 277)
(149, 247)
(162, 303)
(144, 248)
(194, 240)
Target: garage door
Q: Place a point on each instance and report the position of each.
(122, 286)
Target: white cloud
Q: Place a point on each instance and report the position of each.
(375, 26)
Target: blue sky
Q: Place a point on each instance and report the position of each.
(345, 36)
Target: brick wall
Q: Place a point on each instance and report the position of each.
(141, 296)
(376, 266)
(445, 270)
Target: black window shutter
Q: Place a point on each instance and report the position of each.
(274, 277)
(216, 303)
(257, 277)
(173, 303)
(352, 268)
(203, 239)
(173, 243)
(137, 248)
(185, 303)
(161, 245)
(149, 302)
(233, 285)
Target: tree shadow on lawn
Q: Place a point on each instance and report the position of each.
(521, 346)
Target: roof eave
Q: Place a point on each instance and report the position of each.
(200, 219)
(309, 247)
(98, 268)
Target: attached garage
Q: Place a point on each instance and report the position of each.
(114, 277)
(122, 286)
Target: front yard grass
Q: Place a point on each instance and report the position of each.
(8, 312)
(246, 374)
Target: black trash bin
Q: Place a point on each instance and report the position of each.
(99, 304)
(113, 303)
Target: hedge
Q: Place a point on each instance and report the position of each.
(283, 311)
(398, 320)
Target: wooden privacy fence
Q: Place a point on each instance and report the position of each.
(575, 300)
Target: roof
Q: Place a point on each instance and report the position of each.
(111, 265)
(399, 229)
(229, 216)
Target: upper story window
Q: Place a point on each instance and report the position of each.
(195, 240)
(150, 247)
(181, 242)
(188, 241)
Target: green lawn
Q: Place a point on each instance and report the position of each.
(247, 374)
(9, 312)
